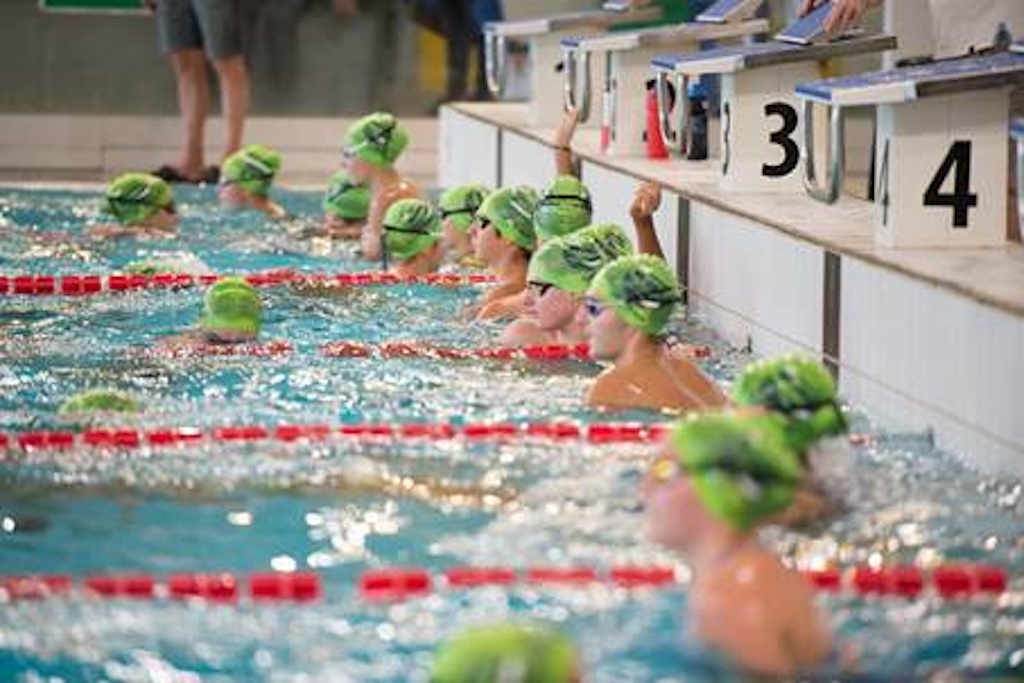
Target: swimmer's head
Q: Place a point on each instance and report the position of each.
(503, 653)
(99, 401)
(564, 208)
(377, 140)
(135, 198)
(152, 267)
(799, 389)
(232, 311)
(738, 468)
(459, 204)
(632, 294)
(571, 262)
(411, 227)
(506, 216)
(253, 169)
(346, 200)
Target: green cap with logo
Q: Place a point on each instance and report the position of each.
(411, 226)
(232, 305)
(510, 211)
(252, 168)
(741, 466)
(345, 199)
(506, 653)
(133, 197)
(799, 389)
(571, 262)
(642, 289)
(460, 204)
(377, 139)
(564, 208)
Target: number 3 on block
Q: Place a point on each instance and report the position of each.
(961, 199)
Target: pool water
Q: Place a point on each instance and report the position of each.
(322, 506)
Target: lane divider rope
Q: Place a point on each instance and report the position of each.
(397, 349)
(123, 438)
(80, 285)
(946, 581)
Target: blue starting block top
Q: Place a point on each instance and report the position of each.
(734, 58)
(725, 11)
(1017, 129)
(911, 83)
(807, 29)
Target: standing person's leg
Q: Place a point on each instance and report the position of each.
(456, 19)
(220, 23)
(181, 39)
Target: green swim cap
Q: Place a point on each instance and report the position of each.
(148, 267)
(506, 653)
(564, 208)
(99, 400)
(798, 388)
(460, 204)
(411, 226)
(571, 262)
(642, 289)
(510, 211)
(252, 168)
(376, 139)
(345, 199)
(232, 305)
(741, 466)
(134, 197)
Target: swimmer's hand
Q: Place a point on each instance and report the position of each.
(646, 201)
(844, 14)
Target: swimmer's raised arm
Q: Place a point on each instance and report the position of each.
(563, 138)
(645, 202)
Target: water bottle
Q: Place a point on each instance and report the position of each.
(654, 142)
(697, 130)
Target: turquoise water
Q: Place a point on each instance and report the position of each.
(247, 508)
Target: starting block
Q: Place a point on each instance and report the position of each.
(760, 122)
(626, 69)
(544, 37)
(941, 146)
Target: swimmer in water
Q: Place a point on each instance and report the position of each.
(716, 480)
(232, 314)
(504, 238)
(559, 274)
(627, 308)
(143, 206)
(246, 179)
(801, 394)
(457, 207)
(372, 146)
(346, 206)
(507, 653)
(412, 238)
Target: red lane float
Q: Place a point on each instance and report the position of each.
(127, 439)
(268, 349)
(539, 352)
(80, 285)
(217, 587)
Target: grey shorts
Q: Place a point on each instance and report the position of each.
(210, 25)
